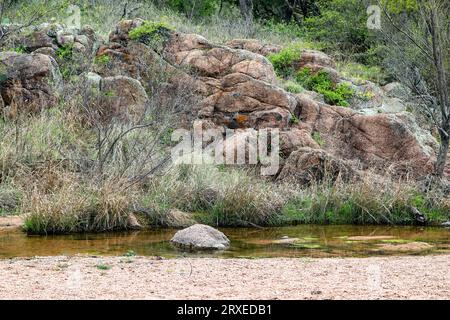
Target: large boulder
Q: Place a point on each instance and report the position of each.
(244, 102)
(200, 237)
(383, 141)
(295, 138)
(28, 82)
(123, 97)
(254, 46)
(235, 88)
(306, 166)
(54, 36)
(211, 60)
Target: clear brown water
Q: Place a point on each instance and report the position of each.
(313, 241)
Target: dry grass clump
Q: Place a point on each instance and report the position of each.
(369, 201)
(61, 202)
(216, 196)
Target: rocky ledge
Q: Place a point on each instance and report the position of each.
(231, 86)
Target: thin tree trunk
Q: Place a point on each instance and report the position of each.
(442, 155)
(246, 7)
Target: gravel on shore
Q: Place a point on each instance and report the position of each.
(137, 277)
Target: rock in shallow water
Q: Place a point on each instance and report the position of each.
(200, 237)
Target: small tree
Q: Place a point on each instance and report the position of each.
(418, 42)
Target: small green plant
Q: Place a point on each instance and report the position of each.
(64, 52)
(294, 119)
(292, 87)
(361, 73)
(103, 59)
(103, 267)
(318, 138)
(283, 61)
(366, 96)
(130, 253)
(151, 33)
(110, 93)
(322, 83)
(20, 49)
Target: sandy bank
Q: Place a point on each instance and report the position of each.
(83, 277)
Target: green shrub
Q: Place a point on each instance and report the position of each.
(64, 52)
(341, 28)
(103, 59)
(103, 267)
(322, 83)
(292, 86)
(151, 33)
(283, 61)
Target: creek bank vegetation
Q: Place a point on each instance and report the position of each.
(87, 118)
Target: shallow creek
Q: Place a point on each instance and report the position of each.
(294, 241)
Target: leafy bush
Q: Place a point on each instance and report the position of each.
(321, 83)
(153, 34)
(103, 59)
(149, 30)
(292, 86)
(318, 138)
(284, 61)
(341, 26)
(64, 52)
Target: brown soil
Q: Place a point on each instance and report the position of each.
(83, 277)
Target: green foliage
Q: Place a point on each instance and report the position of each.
(151, 33)
(292, 86)
(130, 253)
(318, 138)
(400, 6)
(357, 71)
(103, 267)
(103, 59)
(283, 61)
(362, 203)
(321, 83)
(287, 11)
(20, 49)
(294, 119)
(64, 52)
(341, 27)
(195, 9)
